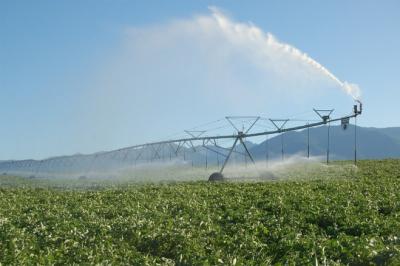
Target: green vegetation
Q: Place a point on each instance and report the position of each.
(348, 217)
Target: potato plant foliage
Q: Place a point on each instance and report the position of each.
(351, 217)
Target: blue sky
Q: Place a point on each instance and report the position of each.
(66, 68)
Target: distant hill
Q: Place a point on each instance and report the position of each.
(392, 132)
(372, 143)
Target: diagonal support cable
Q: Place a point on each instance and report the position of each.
(247, 151)
(229, 155)
(215, 151)
(324, 114)
(230, 118)
(255, 121)
(195, 133)
(282, 123)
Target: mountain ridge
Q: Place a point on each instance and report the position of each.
(372, 143)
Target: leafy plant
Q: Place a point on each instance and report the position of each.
(325, 216)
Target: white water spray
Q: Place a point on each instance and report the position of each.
(240, 32)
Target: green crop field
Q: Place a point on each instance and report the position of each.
(334, 215)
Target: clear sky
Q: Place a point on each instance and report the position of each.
(86, 76)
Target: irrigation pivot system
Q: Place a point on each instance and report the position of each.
(196, 142)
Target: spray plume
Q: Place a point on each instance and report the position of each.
(250, 33)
